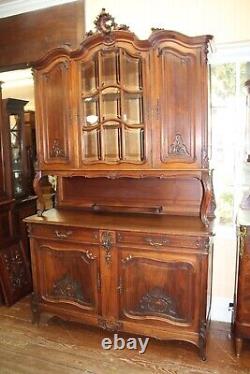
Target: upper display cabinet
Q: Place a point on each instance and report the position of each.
(111, 111)
(123, 104)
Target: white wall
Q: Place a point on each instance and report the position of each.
(227, 20)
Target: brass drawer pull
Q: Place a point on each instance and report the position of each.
(62, 235)
(153, 243)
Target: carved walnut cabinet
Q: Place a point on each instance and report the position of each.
(122, 123)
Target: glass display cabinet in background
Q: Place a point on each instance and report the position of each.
(14, 122)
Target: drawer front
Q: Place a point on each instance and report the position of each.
(65, 233)
(160, 240)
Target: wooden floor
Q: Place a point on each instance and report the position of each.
(63, 347)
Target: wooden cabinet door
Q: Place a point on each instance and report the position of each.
(113, 109)
(68, 274)
(15, 277)
(162, 287)
(243, 297)
(54, 118)
(180, 141)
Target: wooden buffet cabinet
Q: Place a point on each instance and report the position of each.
(241, 315)
(122, 123)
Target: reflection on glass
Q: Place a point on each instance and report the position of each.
(13, 121)
(14, 138)
(132, 108)
(111, 142)
(112, 107)
(134, 140)
(18, 183)
(132, 72)
(91, 110)
(16, 160)
(91, 147)
(109, 68)
(111, 103)
(89, 77)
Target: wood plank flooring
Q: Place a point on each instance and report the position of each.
(56, 346)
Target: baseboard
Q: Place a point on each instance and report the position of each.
(220, 310)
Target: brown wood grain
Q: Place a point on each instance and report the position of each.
(61, 347)
(25, 38)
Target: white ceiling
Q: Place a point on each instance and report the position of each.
(19, 84)
(12, 7)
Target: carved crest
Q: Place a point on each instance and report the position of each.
(56, 150)
(105, 23)
(178, 147)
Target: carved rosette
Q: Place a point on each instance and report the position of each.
(157, 302)
(68, 288)
(178, 147)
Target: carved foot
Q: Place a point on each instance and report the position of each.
(35, 310)
(202, 341)
(238, 346)
(202, 349)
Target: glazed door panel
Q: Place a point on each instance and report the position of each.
(179, 107)
(69, 274)
(113, 109)
(55, 116)
(159, 287)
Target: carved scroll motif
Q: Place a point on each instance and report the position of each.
(15, 265)
(105, 23)
(107, 244)
(178, 147)
(110, 325)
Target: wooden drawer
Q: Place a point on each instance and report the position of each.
(65, 233)
(159, 240)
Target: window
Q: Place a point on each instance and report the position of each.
(228, 134)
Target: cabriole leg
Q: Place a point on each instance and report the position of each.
(238, 346)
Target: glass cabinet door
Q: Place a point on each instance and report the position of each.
(16, 152)
(112, 113)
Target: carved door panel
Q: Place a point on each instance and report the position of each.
(159, 287)
(55, 116)
(15, 277)
(180, 107)
(113, 109)
(243, 304)
(69, 274)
